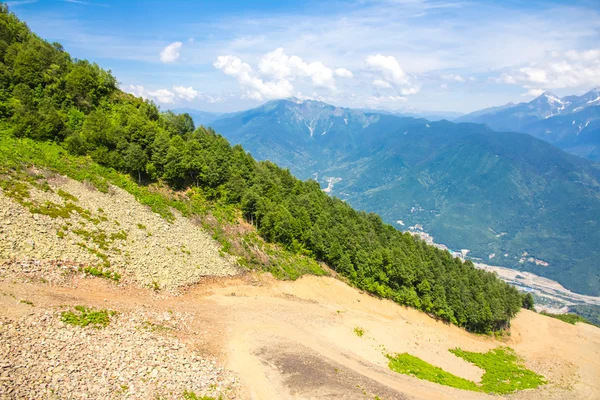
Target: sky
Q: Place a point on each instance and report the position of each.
(433, 55)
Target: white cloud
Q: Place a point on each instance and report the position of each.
(162, 95)
(281, 69)
(570, 69)
(455, 78)
(533, 92)
(444, 86)
(391, 73)
(411, 90)
(136, 90)
(170, 53)
(388, 67)
(188, 93)
(167, 96)
(256, 88)
(343, 73)
(279, 65)
(587, 55)
(381, 84)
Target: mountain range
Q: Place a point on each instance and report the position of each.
(199, 117)
(509, 198)
(571, 123)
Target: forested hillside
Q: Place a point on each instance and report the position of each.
(47, 96)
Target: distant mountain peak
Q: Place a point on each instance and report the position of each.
(294, 99)
(551, 98)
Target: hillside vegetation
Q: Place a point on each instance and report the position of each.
(51, 104)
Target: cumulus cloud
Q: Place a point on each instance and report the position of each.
(391, 73)
(186, 93)
(558, 70)
(279, 65)
(381, 84)
(170, 54)
(256, 88)
(163, 96)
(166, 96)
(276, 72)
(410, 90)
(343, 73)
(533, 92)
(389, 67)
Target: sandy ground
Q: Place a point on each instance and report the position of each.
(296, 340)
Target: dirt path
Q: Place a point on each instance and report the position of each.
(296, 340)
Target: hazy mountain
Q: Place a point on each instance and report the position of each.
(415, 113)
(571, 123)
(508, 196)
(199, 117)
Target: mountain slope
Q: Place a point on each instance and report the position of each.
(493, 193)
(571, 123)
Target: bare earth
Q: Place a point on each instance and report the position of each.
(236, 336)
(296, 340)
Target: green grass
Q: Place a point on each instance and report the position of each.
(189, 395)
(103, 273)
(83, 316)
(504, 372)
(411, 365)
(66, 195)
(568, 318)
(359, 331)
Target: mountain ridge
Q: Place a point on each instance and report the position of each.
(571, 123)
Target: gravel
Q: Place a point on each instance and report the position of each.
(154, 253)
(136, 357)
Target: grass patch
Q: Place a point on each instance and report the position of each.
(360, 332)
(28, 302)
(157, 328)
(568, 318)
(504, 372)
(189, 395)
(102, 273)
(83, 316)
(66, 195)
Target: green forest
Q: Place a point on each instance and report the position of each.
(46, 95)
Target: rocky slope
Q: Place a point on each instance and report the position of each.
(74, 222)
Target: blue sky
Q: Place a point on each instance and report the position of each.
(393, 54)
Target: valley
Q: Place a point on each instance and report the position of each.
(500, 193)
(550, 296)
